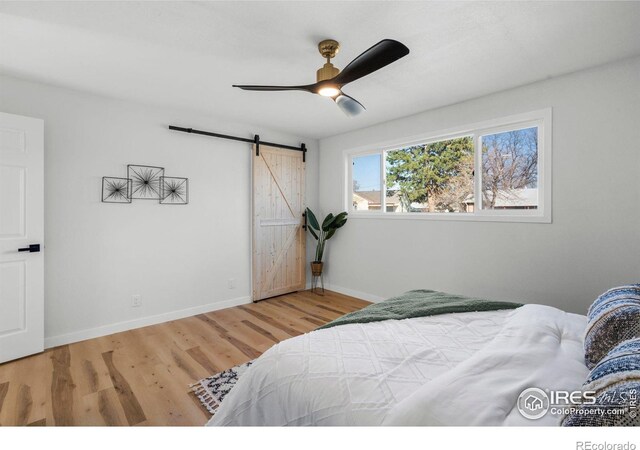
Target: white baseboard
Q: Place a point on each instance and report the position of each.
(353, 293)
(77, 336)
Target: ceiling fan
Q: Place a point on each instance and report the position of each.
(330, 79)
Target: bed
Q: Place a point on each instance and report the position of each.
(440, 366)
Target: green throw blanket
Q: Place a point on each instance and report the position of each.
(419, 303)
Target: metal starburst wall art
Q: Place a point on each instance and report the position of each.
(145, 183)
(174, 191)
(116, 190)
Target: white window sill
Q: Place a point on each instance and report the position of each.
(459, 217)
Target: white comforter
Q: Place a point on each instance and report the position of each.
(451, 369)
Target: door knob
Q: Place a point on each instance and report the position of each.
(33, 248)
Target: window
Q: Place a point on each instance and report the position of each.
(510, 169)
(490, 171)
(367, 182)
(430, 177)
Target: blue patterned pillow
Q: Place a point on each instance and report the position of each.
(612, 318)
(616, 383)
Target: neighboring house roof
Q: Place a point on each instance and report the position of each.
(369, 196)
(513, 197)
(373, 197)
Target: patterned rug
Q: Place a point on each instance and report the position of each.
(212, 390)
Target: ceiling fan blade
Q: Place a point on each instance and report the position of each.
(382, 54)
(349, 105)
(246, 87)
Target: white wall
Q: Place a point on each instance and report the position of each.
(180, 258)
(592, 244)
(97, 255)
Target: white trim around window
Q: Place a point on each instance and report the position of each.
(542, 119)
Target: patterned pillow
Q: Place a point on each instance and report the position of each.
(616, 383)
(612, 318)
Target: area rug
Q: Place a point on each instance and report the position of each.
(212, 390)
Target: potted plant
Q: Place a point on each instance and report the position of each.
(322, 234)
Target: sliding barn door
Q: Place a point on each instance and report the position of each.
(278, 233)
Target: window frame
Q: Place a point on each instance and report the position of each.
(542, 119)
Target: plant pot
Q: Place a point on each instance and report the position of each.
(316, 268)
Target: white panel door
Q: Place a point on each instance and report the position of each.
(21, 225)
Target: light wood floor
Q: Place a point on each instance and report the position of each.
(141, 377)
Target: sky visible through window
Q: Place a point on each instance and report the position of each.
(366, 173)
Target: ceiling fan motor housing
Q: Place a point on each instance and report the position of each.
(328, 49)
(327, 72)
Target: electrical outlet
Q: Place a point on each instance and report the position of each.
(136, 301)
(232, 283)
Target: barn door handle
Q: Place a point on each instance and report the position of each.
(304, 214)
(33, 248)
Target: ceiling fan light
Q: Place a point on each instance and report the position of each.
(350, 106)
(328, 91)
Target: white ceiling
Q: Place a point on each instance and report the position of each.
(187, 54)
